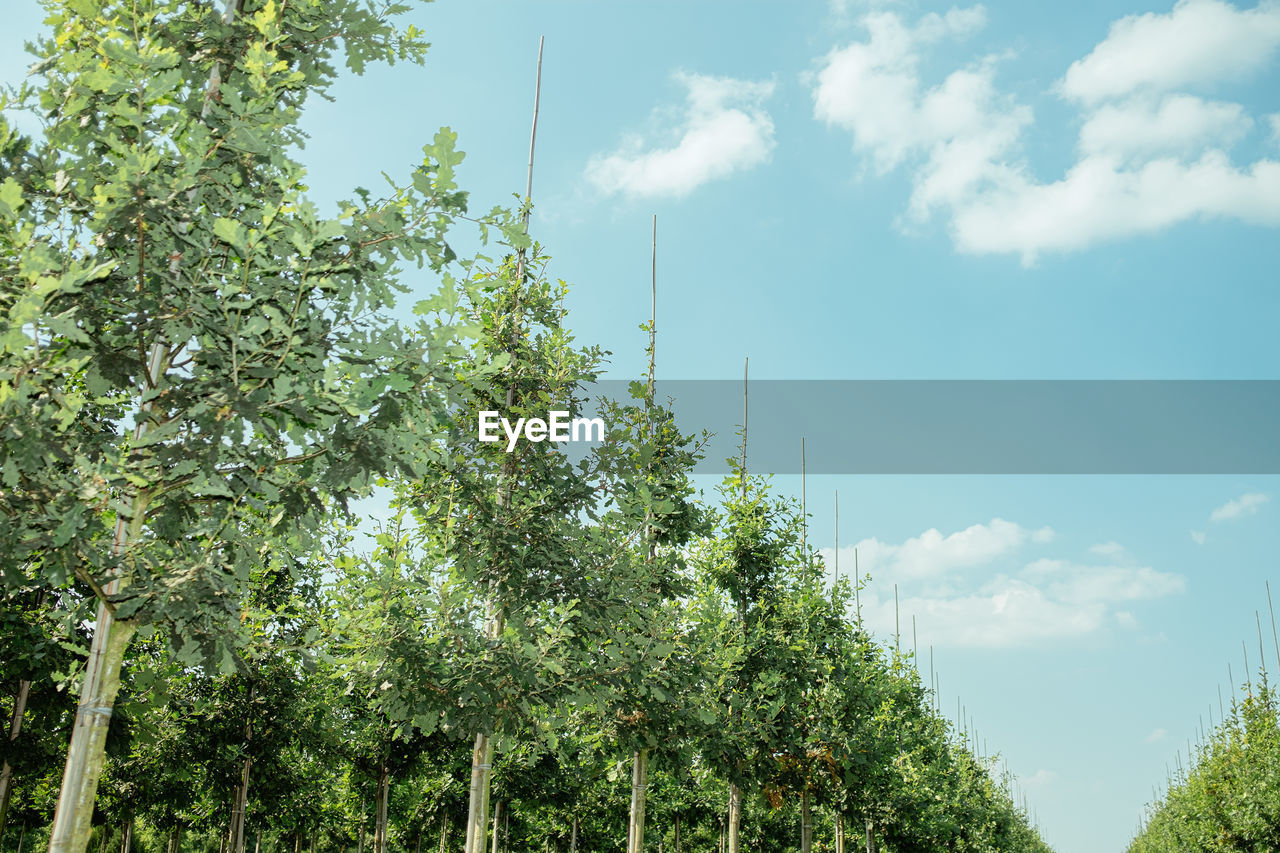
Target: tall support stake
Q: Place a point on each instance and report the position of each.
(640, 759)
(804, 514)
(835, 578)
(746, 367)
(1271, 610)
(482, 751)
(1261, 655)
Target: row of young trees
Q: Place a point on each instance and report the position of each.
(199, 372)
(1227, 798)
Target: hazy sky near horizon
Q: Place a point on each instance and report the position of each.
(910, 190)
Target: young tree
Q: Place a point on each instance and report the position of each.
(160, 259)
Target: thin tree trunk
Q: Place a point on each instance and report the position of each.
(297, 842)
(15, 729)
(86, 756)
(22, 836)
(478, 804)
(839, 832)
(497, 819)
(240, 809)
(257, 844)
(677, 834)
(806, 822)
(360, 831)
(380, 822)
(444, 832)
(735, 818)
(639, 784)
(102, 843)
(482, 753)
(871, 837)
(573, 839)
(128, 836)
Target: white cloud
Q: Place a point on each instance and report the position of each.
(1148, 159)
(1048, 599)
(725, 130)
(932, 554)
(1274, 120)
(1198, 537)
(1200, 41)
(1177, 124)
(1079, 584)
(1004, 612)
(1241, 506)
(1098, 201)
(1156, 736)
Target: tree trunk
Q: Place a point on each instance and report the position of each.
(735, 818)
(871, 837)
(444, 832)
(478, 806)
(239, 808)
(15, 729)
(639, 784)
(85, 756)
(573, 839)
(676, 840)
(297, 842)
(22, 836)
(360, 833)
(497, 819)
(380, 822)
(806, 822)
(127, 844)
(257, 844)
(839, 832)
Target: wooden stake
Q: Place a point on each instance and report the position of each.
(482, 750)
(804, 515)
(1272, 611)
(835, 579)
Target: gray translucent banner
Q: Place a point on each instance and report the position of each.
(981, 426)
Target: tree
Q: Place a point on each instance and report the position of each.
(161, 264)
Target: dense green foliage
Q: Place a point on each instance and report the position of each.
(199, 373)
(1229, 799)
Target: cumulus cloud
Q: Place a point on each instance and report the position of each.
(1149, 156)
(1198, 42)
(1240, 507)
(1175, 125)
(1156, 736)
(966, 588)
(931, 553)
(1198, 537)
(725, 129)
(1079, 584)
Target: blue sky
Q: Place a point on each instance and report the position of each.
(901, 190)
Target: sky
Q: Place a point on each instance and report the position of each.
(908, 190)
